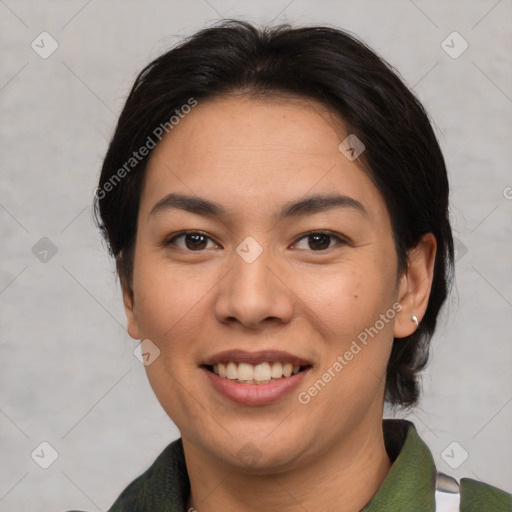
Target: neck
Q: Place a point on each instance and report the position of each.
(348, 473)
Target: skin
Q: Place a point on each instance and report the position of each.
(253, 156)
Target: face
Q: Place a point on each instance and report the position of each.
(270, 282)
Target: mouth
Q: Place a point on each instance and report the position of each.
(262, 373)
(255, 378)
(263, 367)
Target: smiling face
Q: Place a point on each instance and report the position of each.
(254, 275)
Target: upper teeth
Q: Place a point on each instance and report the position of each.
(262, 372)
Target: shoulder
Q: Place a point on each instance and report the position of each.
(481, 497)
(163, 487)
(164, 484)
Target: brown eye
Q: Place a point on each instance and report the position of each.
(193, 241)
(319, 240)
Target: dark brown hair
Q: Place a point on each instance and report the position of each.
(402, 155)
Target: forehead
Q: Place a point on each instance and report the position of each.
(247, 152)
(241, 128)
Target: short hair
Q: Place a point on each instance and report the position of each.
(402, 155)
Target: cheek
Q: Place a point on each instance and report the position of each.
(357, 340)
(171, 310)
(168, 298)
(351, 298)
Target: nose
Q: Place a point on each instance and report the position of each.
(254, 293)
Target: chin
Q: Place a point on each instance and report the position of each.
(261, 454)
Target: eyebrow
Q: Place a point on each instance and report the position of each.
(306, 206)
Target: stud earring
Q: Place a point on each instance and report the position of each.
(414, 319)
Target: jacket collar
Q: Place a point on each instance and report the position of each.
(410, 483)
(411, 479)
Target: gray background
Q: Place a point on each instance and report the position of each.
(69, 376)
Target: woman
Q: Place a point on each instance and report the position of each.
(277, 204)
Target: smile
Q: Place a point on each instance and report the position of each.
(262, 373)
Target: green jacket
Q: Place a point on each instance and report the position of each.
(409, 486)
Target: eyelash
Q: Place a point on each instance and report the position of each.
(341, 241)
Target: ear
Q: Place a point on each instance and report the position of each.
(415, 285)
(128, 301)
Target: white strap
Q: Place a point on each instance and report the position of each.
(447, 494)
(446, 502)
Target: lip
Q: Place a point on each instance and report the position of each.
(255, 394)
(262, 356)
